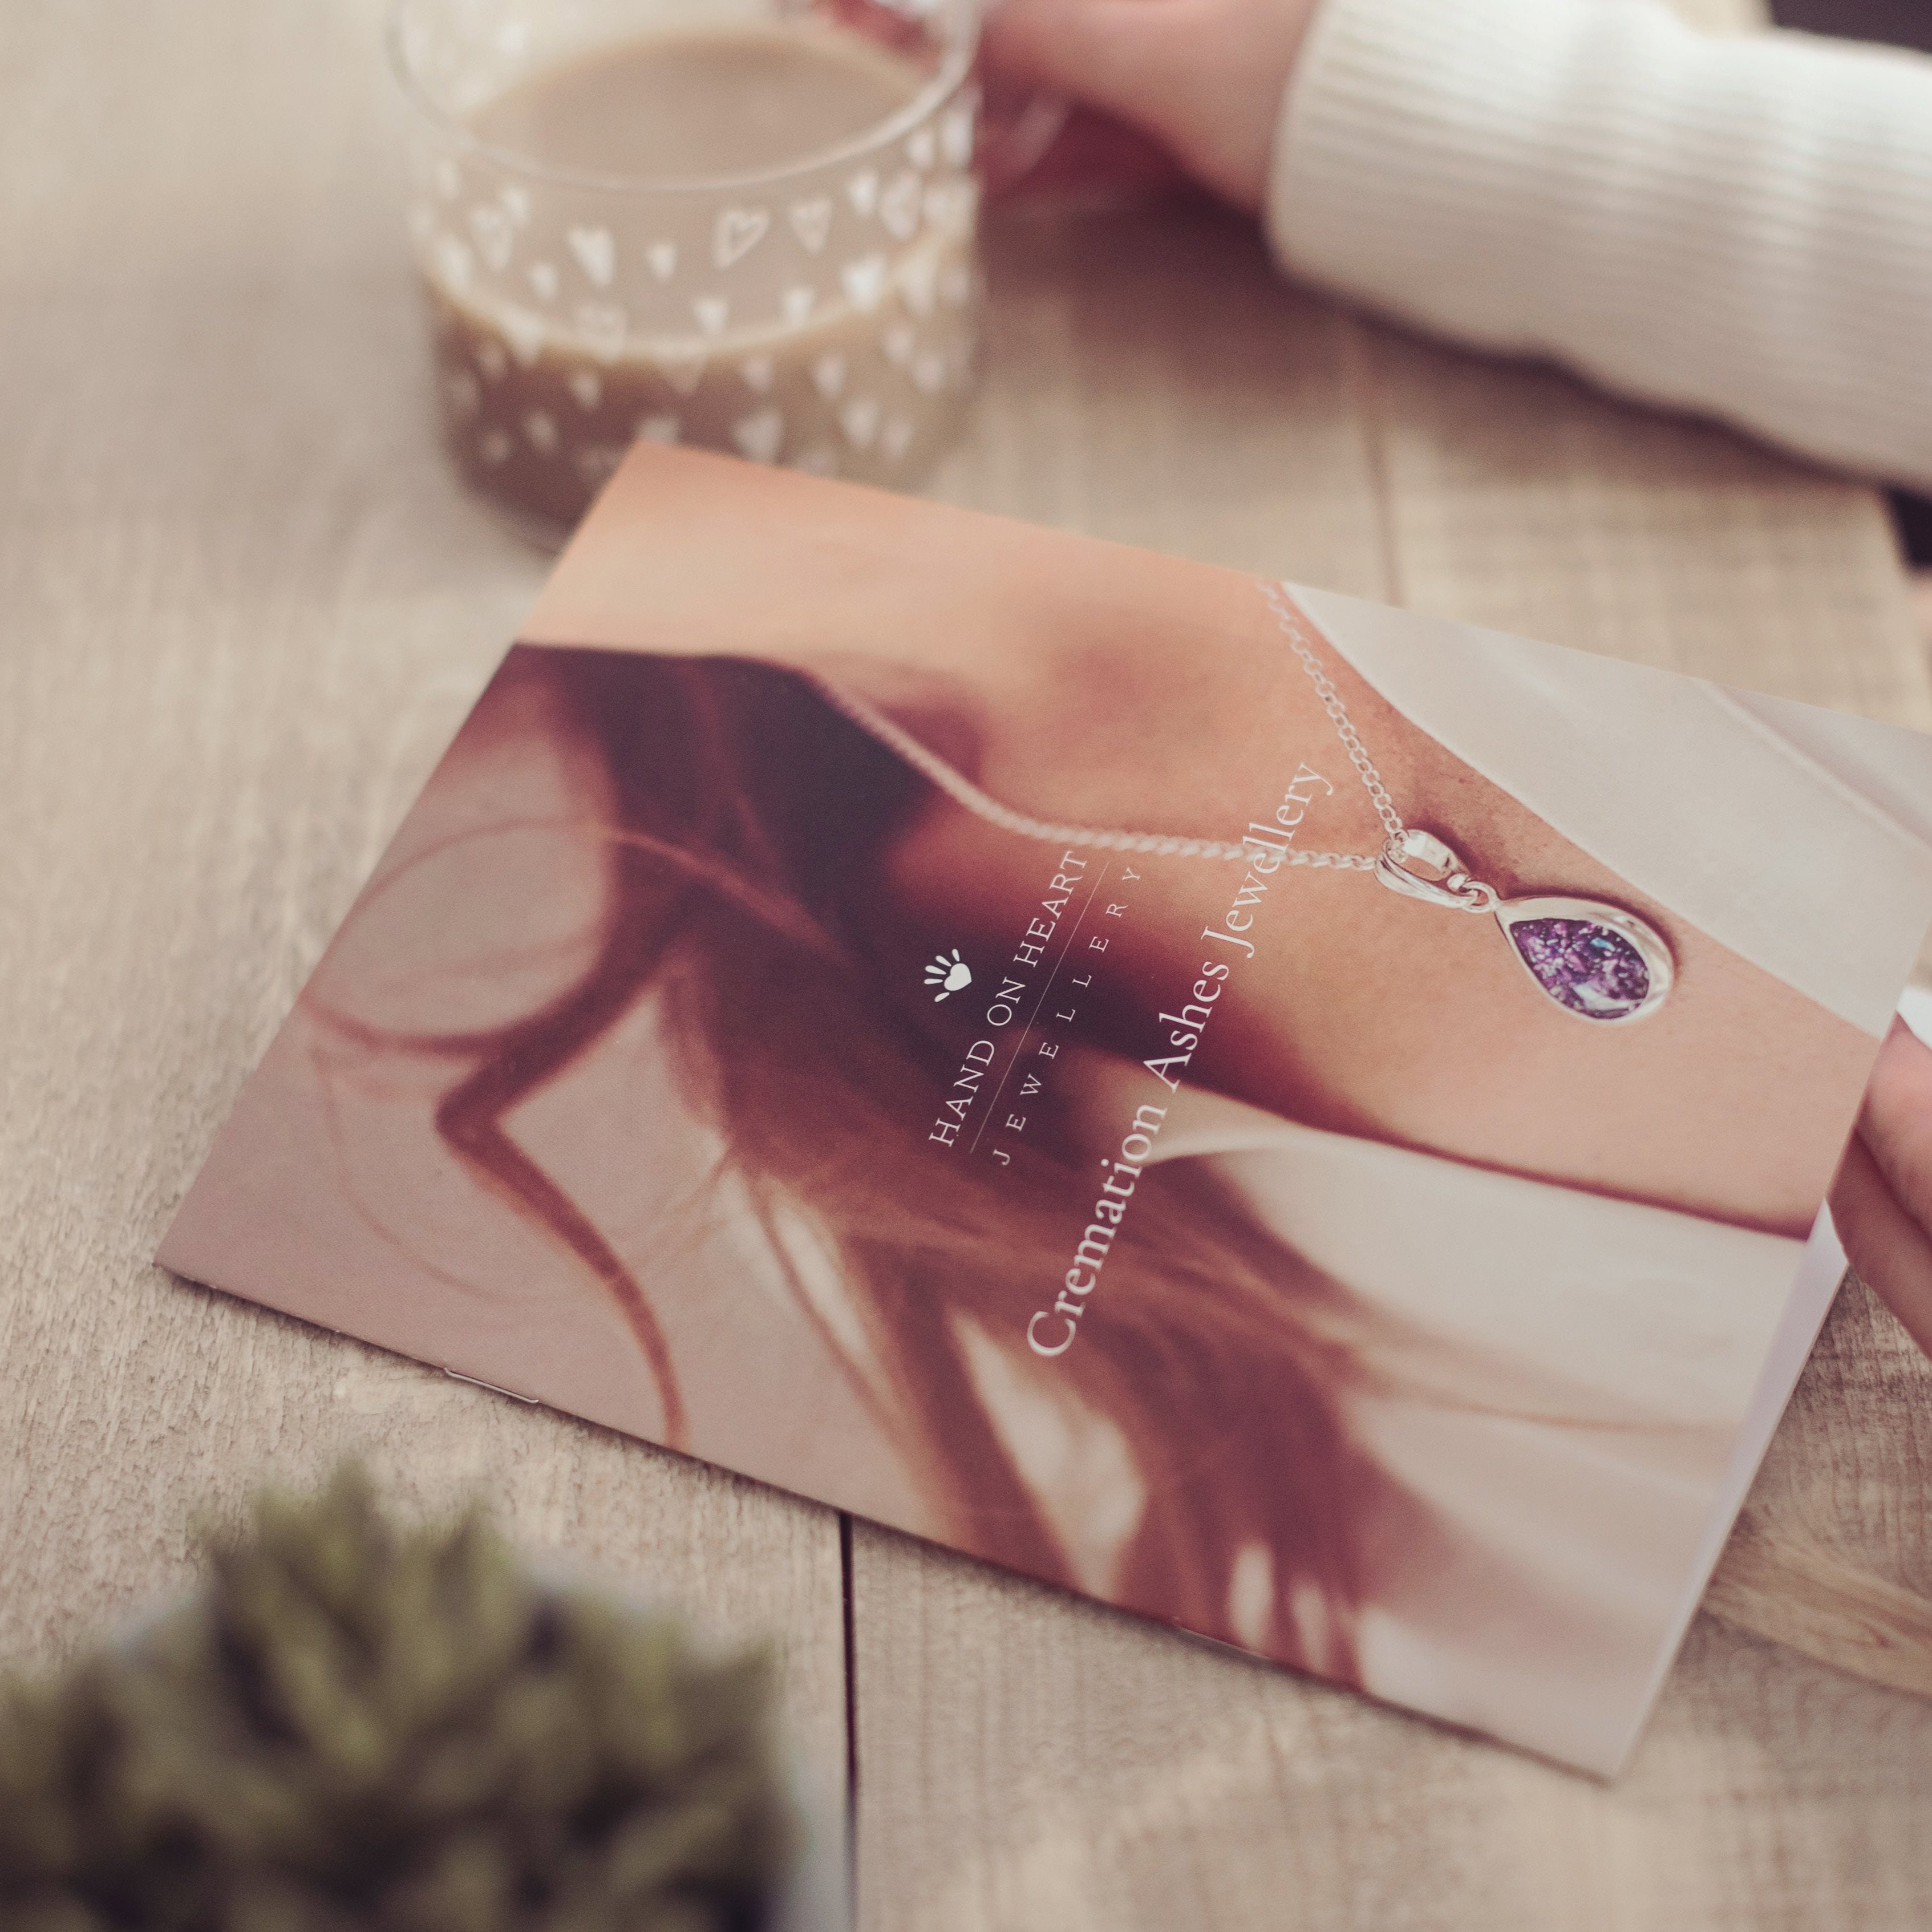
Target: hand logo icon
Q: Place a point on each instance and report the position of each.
(949, 975)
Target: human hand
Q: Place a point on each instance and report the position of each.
(1882, 1200)
(1203, 78)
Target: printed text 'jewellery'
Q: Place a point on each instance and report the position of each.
(1599, 962)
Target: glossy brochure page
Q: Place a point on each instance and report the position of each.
(1300, 1120)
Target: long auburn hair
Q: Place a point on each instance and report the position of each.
(741, 821)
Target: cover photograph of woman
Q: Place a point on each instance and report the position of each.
(1300, 1120)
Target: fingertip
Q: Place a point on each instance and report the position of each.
(1095, 51)
(1887, 1246)
(1901, 1077)
(1035, 42)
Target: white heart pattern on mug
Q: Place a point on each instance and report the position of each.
(922, 147)
(828, 375)
(918, 276)
(604, 326)
(455, 266)
(683, 369)
(859, 419)
(712, 313)
(862, 190)
(543, 279)
(757, 371)
(660, 428)
(896, 438)
(540, 426)
(950, 206)
(587, 386)
(865, 281)
(759, 435)
(491, 228)
(596, 253)
(812, 222)
(898, 206)
(523, 331)
(736, 231)
(516, 200)
(796, 303)
(465, 396)
(596, 462)
(955, 136)
(662, 257)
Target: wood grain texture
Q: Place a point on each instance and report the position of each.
(242, 609)
(1519, 498)
(1776, 1582)
(1027, 1760)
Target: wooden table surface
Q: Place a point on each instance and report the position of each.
(242, 607)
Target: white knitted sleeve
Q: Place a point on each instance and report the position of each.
(1738, 226)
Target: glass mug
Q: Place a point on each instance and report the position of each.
(820, 309)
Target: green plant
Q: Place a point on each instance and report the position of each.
(357, 1725)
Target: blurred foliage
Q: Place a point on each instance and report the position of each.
(396, 1730)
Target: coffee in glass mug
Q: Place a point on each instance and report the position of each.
(726, 223)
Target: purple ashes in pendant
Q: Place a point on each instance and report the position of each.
(1589, 968)
(1597, 960)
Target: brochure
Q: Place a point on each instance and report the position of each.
(1307, 1122)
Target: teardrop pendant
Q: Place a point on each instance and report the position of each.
(1598, 961)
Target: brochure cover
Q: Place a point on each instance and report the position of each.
(1296, 1119)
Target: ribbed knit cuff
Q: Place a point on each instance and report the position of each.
(1739, 225)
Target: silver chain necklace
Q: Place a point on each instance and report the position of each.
(1599, 962)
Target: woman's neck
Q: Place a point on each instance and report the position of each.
(1346, 1006)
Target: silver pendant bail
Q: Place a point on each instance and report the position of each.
(1418, 864)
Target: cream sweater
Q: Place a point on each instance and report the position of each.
(1740, 226)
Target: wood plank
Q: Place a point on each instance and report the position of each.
(241, 609)
(1028, 1760)
(1120, 346)
(1519, 499)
